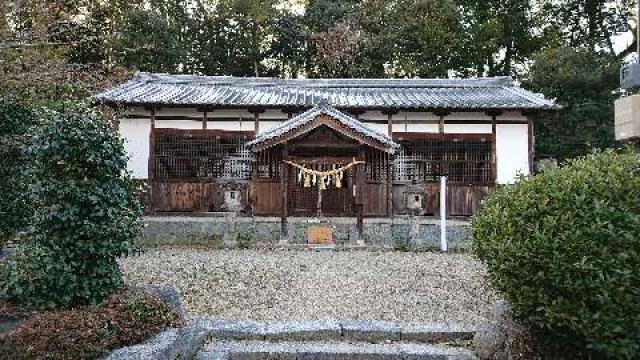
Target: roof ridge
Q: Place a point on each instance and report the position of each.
(187, 79)
(183, 90)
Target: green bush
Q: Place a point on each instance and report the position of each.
(563, 247)
(85, 217)
(17, 122)
(124, 319)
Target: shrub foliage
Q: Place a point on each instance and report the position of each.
(17, 122)
(124, 319)
(85, 217)
(564, 248)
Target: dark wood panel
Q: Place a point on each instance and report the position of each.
(402, 136)
(206, 133)
(464, 200)
(186, 196)
(269, 198)
(375, 199)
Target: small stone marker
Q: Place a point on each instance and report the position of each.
(320, 235)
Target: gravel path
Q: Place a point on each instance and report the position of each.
(303, 285)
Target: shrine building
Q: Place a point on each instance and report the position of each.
(323, 147)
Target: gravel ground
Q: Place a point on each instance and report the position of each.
(284, 285)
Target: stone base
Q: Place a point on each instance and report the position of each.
(381, 233)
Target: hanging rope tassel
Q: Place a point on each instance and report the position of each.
(307, 180)
(311, 176)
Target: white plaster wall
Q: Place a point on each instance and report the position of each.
(230, 113)
(245, 125)
(467, 128)
(462, 116)
(512, 115)
(409, 127)
(178, 124)
(512, 151)
(136, 143)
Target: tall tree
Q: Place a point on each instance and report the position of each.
(288, 44)
(500, 35)
(238, 30)
(590, 24)
(585, 84)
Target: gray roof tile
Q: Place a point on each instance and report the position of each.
(312, 114)
(188, 90)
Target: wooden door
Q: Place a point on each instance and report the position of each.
(336, 201)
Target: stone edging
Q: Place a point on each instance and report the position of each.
(186, 342)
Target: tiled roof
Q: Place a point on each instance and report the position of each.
(188, 90)
(311, 115)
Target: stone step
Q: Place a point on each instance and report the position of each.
(297, 350)
(347, 330)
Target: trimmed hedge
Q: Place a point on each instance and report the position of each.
(18, 122)
(85, 216)
(124, 319)
(563, 247)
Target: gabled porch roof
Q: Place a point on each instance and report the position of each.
(323, 115)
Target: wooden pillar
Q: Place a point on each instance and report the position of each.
(389, 113)
(152, 144)
(531, 144)
(204, 119)
(253, 193)
(284, 185)
(319, 201)
(256, 118)
(390, 167)
(151, 161)
(494, 157)
(360, 196)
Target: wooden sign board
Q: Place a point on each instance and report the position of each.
(320, 235)
(627, 115)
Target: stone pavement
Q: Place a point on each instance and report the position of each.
(211, 339)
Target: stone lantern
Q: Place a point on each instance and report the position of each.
(414, 195)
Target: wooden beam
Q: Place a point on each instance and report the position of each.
(494, 156)
(284, 188)
(400, 136)
(209, 133)
(390, 125)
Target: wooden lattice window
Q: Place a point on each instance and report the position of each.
(376, 165)
(269, 163)
(200, 155)
(464, 161)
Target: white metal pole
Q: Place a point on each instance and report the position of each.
(443, 213)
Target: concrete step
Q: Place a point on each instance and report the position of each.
(346, 330)
(298, 350)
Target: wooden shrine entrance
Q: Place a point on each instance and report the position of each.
(323, 149)
(320, 159)
(335, 200)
